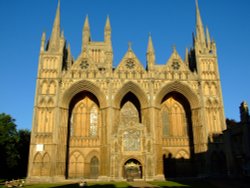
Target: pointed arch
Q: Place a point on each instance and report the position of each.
(52, 87)
(133, 88)
(46, 165)
(44, 87)
(94, 167)
(182, 154)
(181, 88)
(37, 164)
(81, 86)
(76, 164)
(92, 154)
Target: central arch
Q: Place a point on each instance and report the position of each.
(131, 87)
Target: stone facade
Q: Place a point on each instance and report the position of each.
(94, 121)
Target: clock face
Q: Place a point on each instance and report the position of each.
(130, 64)
(84, 64)
(175, 65)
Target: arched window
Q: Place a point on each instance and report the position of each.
(174, 121)
(84, 119)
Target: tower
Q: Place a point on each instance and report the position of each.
(95, 121)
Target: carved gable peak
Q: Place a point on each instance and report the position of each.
(175, 62)
(130, 62)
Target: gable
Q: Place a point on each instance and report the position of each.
(130, 63)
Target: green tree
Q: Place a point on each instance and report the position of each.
(8, 141)
(14, 148)
(23, 151)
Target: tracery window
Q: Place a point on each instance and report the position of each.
(174, 121)
(84, 119)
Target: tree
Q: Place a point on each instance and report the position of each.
(23, 151)
(8, 141)
(14, 148)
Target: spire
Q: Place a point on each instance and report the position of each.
(43, 39)
(69, 57)
(186, 56)
(150, 45)
(86, 33)
(55, 34)
(107, 26)
(199, 26)
(129, 46)
(150, 54)
(86, 24)
(208, 38)
(107, 31)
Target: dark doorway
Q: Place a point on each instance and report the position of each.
(132, 169)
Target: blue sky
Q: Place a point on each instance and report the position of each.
(170, 22)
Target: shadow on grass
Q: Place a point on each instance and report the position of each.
(104, 185)
(182, 183)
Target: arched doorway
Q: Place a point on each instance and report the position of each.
(132, 169)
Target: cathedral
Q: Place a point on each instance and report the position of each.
(92, 120)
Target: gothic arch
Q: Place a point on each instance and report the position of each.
(80, 86)
(133, 88)
(76, 164)
(46, 165)
(37, 164)
(182, 154)
(181, 88)
(92, 154)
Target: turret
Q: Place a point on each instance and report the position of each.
(86, 38)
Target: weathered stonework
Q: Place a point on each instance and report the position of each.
(98, 122)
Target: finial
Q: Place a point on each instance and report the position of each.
(174, 48)
(150, 44)
(43, 36)
(196, 3)
(86, 23)
(107, 26)
(129, 45)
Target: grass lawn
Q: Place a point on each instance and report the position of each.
(75, 185)
(199, 183)
(192, 183)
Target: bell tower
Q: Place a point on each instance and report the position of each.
(206, 64)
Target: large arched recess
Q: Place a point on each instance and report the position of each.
(190, 101)
(70, 97)
(132, 88)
